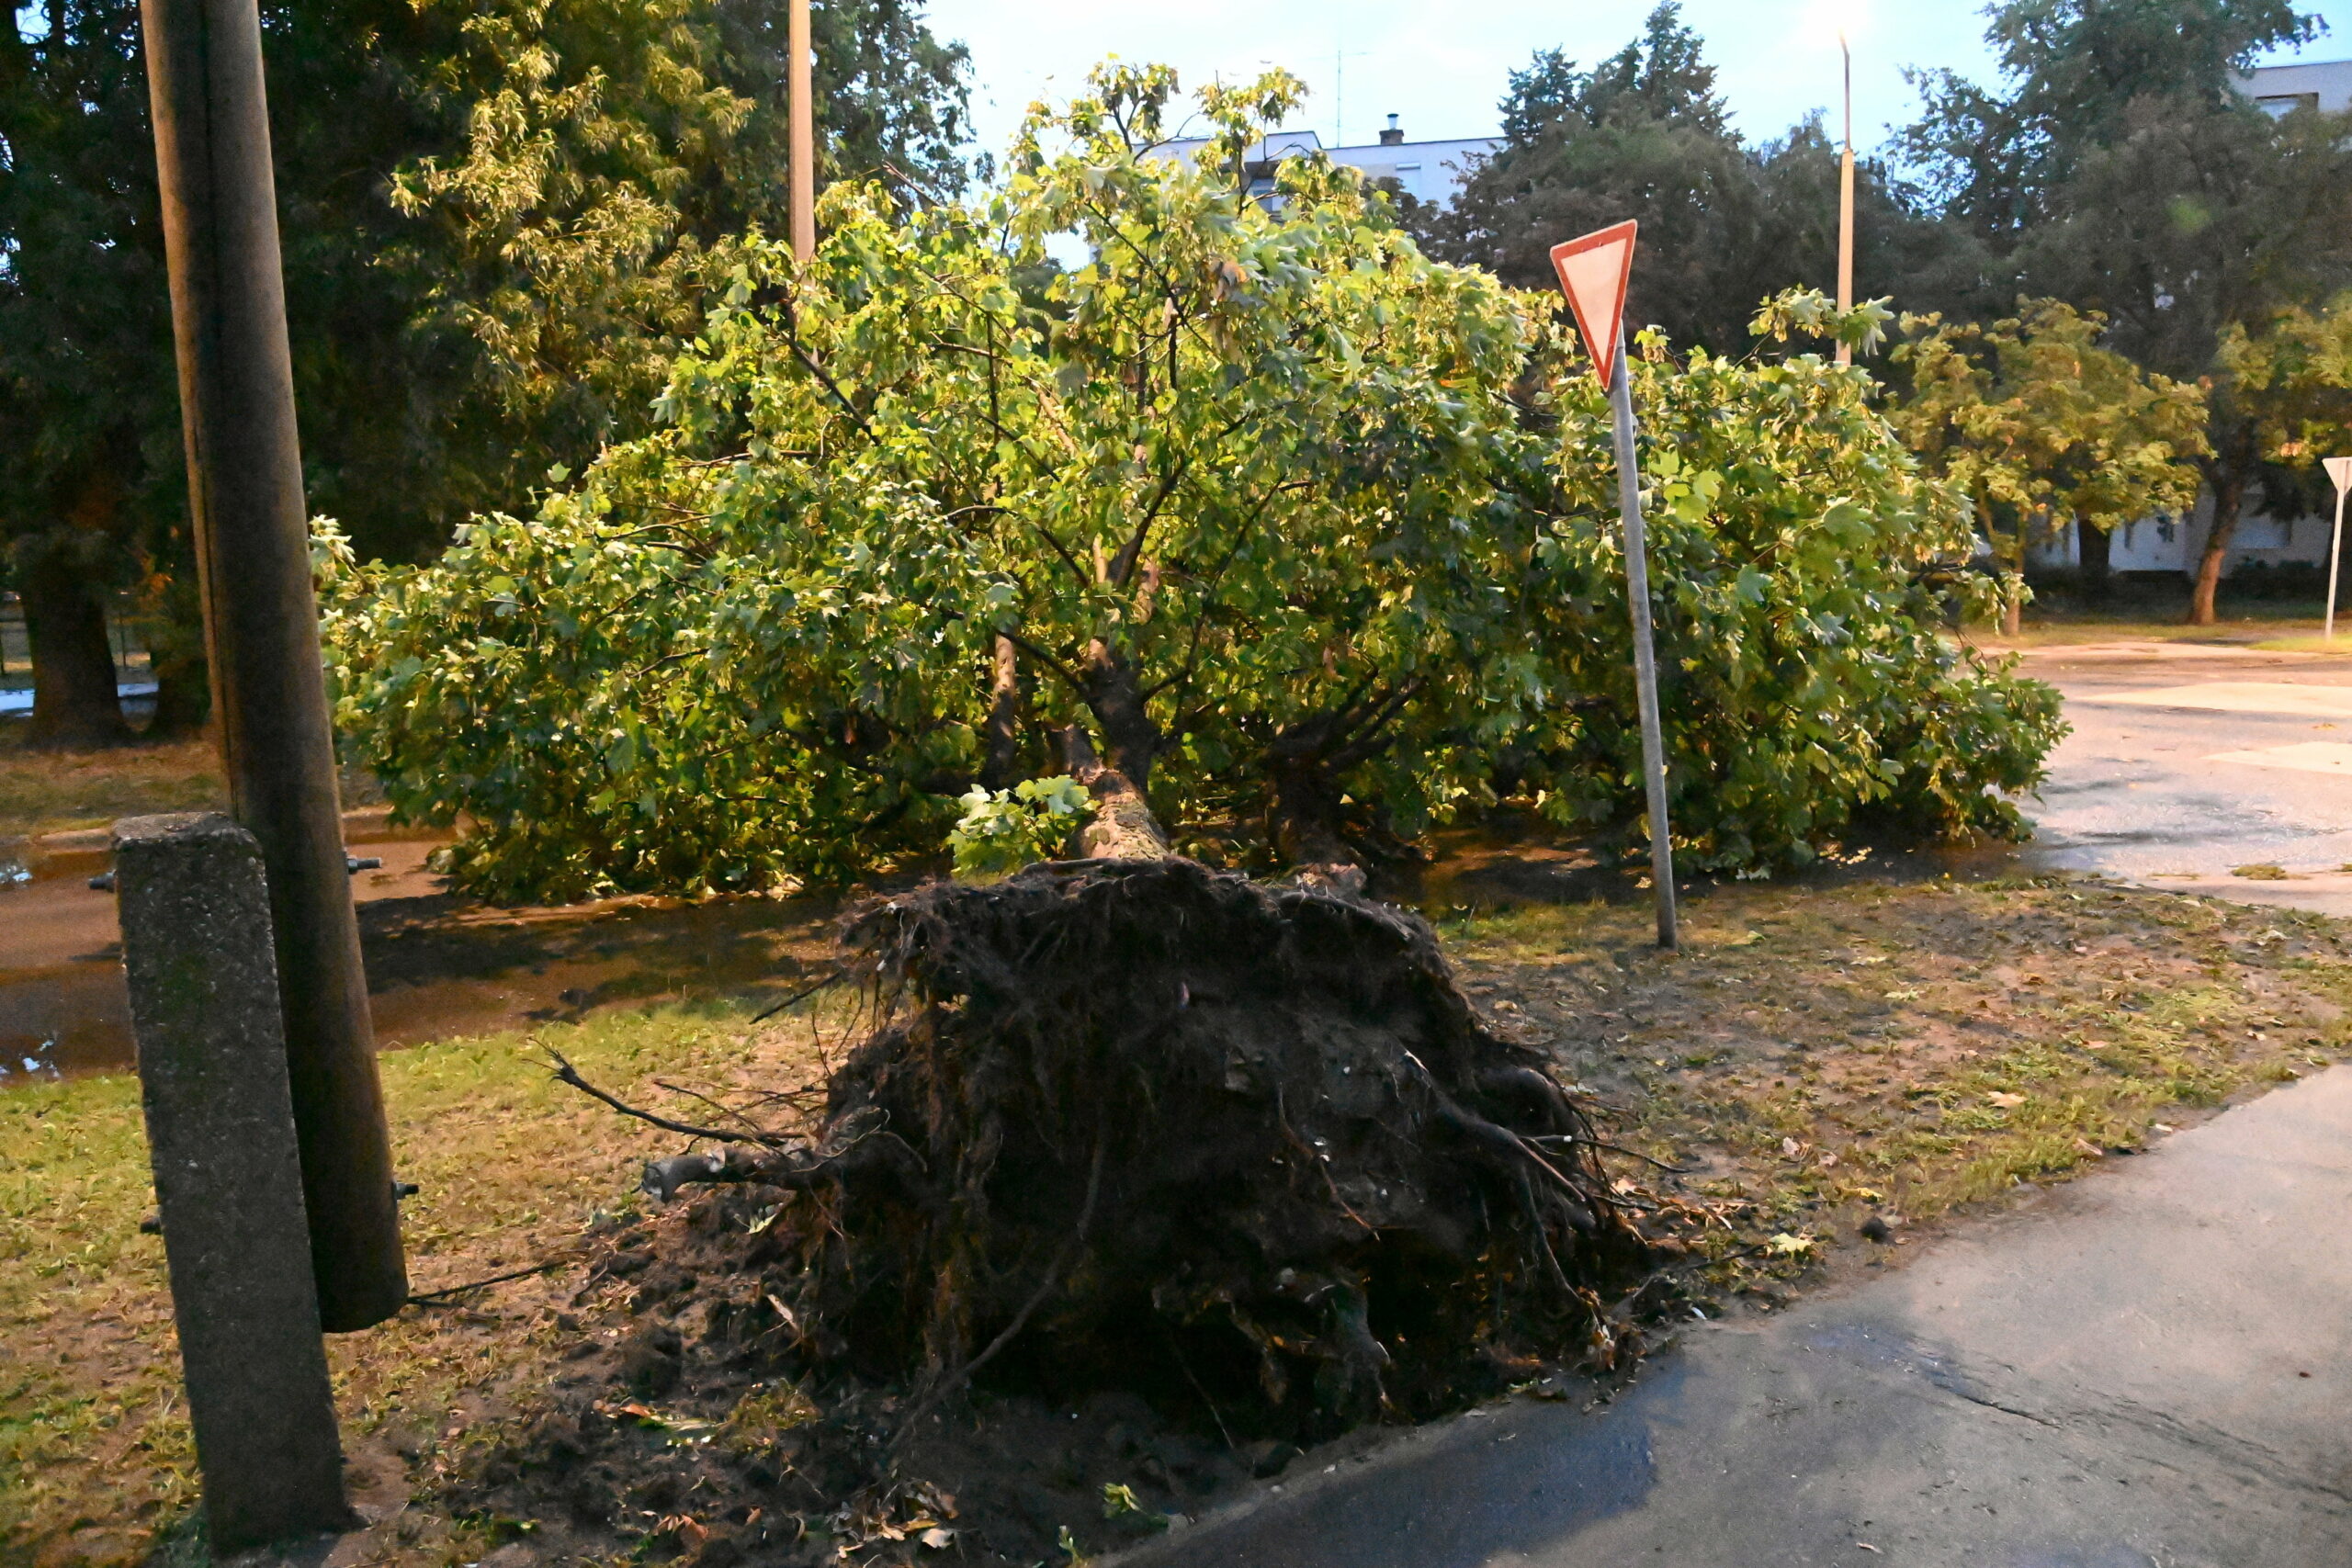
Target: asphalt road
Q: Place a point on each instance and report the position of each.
(2188, 763)
(2147, 1366)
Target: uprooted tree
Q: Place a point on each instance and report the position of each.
(1140, 1124)
(1259, 517)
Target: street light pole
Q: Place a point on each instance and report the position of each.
(261, 622)
(1846, 202)
(802, 112)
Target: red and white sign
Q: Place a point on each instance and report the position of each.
(1593, 273)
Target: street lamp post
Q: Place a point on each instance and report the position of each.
(802, 123)
(261, 622)
(1846, 201)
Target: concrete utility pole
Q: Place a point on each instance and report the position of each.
(802, 111)
(1846, 201)
(245, 473)
(204, 1001)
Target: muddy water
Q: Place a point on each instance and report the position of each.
(438, 965)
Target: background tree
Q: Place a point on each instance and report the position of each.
(2117, 169)
(1645, 135)
(495, 223)
(2036, 426)
(2196, 230)
(89, 413)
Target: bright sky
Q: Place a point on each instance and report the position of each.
(1442, 67)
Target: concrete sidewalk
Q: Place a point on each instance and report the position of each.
(2151, 1365)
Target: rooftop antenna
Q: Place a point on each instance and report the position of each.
(1339, 93)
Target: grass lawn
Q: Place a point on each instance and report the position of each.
(2145, 613)
(48, 791)
(1914, 1049)
(1818, 1053)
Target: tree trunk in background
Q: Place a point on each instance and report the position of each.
(73, 679)
(2096, 573)
(1000, 759)
(2229, 498)
(182, 690)
(173, 615)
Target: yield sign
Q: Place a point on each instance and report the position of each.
(2340, 470)
(1593, 271)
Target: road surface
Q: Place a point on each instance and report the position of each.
(2189, 761)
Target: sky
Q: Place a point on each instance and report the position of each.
(1442, 67)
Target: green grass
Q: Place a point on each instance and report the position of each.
(95, 1465)
(48, 791)
(1944, 1042)
(1924, 1047)
(2340, 644)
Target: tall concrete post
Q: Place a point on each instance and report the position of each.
(204, 1007)
(244, 469)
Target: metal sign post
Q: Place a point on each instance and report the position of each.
(2340, 470)
(1594, 271)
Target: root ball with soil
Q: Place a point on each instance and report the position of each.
(1243, 1150)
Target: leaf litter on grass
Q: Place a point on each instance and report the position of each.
(1911, 1050)
(1769, 1060)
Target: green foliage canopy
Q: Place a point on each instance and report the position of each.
(2035, 424)
(498, 221)
(2116, 168)
(1308, 531)
(1644, 134)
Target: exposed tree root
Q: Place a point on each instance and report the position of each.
(1245, 1151)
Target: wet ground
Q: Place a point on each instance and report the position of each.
(438, 965)
(2187, 763)
(2128, 1371)
(2221, 770)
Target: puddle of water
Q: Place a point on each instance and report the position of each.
(438, 965)
(20, 1066)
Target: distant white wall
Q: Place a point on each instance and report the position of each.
(1430, 171)
(2171, 543)
(2322, 84)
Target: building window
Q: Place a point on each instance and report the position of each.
(2278, 106)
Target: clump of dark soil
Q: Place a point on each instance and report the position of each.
(1191, 1169)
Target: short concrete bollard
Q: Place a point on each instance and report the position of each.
(204, 1008)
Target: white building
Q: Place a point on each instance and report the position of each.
(1430, 171)
(2165, 543)
(2322, 84)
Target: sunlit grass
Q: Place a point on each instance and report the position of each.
(1917, 1050)
(47, 792)
(95, 1455)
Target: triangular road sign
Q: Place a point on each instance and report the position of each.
(1593, 272)
(2340, 470)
